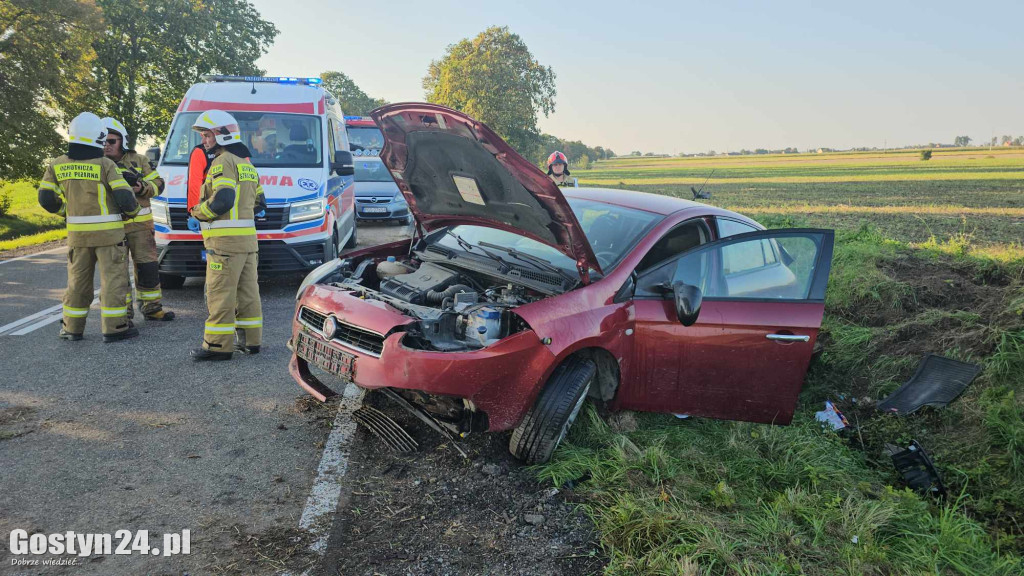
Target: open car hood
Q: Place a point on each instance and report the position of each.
(454, 170)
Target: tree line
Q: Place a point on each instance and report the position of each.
(129, 60)
(134, 60)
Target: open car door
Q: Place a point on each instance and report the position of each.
(753, 305)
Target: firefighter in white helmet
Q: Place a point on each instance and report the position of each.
(91, 193)
(230, 199)
(146, 183)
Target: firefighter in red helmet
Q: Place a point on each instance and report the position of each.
(558, 169)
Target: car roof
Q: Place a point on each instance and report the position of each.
(657, 203)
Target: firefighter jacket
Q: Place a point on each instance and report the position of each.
(93, 196)
(152, 186)
(230, 197)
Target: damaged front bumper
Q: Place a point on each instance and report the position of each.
(499, 382)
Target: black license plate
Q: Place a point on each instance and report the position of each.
(326, 357)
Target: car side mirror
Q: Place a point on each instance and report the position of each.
(343, 164)
(688, 299)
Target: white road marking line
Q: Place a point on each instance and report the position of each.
(33, 255)
(323, 498)
(22, 326)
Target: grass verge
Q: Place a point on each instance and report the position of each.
(706, 497)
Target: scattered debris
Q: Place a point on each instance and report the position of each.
(937, 382)
(533, 519)
(570, 484)
(387, 430)
(832, 417)
(491, 469)
(917, 469)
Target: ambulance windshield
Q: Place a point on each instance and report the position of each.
(285, 140)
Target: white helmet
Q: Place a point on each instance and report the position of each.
(223, 125)
(87, 129)
(115, 126)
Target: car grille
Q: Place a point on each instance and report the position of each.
(275, 219)
(362, 340)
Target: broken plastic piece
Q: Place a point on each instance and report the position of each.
(832, 416)
(917, 469)
(937, 382)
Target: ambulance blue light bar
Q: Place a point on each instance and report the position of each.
(263, 79)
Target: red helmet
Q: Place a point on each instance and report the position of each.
(558, 158)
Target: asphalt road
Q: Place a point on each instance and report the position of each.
(97, 438)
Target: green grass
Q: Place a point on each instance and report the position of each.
(923, 263)
(26, 223)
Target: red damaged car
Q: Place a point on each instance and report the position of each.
(515, 300)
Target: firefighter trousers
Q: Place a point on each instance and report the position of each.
(82, 263)
(233, 297)
(142, 247)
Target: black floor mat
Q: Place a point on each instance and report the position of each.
(937, 382)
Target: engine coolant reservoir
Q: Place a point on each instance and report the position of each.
(484, 325)
(391, 268)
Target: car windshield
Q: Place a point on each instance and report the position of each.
(274, 139)
(365, 140)
(612, 231)
(372, 171)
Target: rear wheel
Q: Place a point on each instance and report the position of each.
(549, 420)
(171, 281)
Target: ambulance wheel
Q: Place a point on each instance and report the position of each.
(352, 239)
(556, 408)
(171, 281)
(334, 249)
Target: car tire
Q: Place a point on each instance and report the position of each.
(171, 281)
(352, 239)
(556, 408)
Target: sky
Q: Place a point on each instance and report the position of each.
(671, 77)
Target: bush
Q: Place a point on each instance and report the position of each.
(926, 154)
(5, 203)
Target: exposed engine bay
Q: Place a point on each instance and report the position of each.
(461, 306)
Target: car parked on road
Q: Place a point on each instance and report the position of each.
(377, 196)
(516, 300)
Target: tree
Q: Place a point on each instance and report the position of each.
(962, 141)
(1018, 141)
(351, 98)
(583, 163)
(926, 155)
(495, 79)
(149, 54)
(1006, 140)
(45, 60)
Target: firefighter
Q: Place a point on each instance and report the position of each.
(91, 193)
(558, 169)
(230, 199)
(146, 183)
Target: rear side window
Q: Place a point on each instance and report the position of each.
(728, 228)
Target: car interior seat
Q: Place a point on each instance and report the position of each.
(304, 151)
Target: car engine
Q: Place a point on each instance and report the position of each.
(457, 309)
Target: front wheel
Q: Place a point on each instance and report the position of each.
(171, 281)
(549, 420)
(352, 239)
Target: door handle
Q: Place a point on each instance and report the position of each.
(788, 337)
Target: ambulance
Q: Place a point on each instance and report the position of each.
(296, 133)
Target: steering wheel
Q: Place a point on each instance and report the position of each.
(289, 157)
